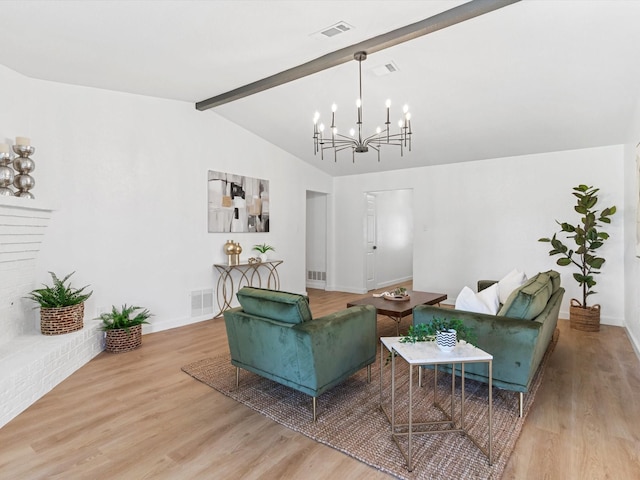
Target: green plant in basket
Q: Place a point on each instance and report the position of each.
(124, 318)
(587, 236)
(59, 295)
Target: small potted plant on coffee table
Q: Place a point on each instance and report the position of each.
(61, 306)
(123, 327)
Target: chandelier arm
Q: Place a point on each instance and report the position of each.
(338, 148)
(376, 148)
(340, 142)
(346, 138)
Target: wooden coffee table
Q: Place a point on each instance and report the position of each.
(395, 310)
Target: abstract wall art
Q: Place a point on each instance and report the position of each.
(237, 203)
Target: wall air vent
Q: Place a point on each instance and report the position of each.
(201, 302)
(333, 30)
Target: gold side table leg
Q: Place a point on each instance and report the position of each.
(462, 396)
(490, 412)
(393, 391)
(409, 458)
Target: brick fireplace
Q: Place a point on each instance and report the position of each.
(31, 364)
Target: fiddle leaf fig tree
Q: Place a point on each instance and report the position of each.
(587, 237)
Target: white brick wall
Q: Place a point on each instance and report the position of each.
(31, 364)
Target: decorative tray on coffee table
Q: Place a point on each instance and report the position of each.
(396, 298)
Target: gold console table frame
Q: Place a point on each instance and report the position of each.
(249, 274)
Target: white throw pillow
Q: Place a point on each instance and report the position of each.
(489, 296)
(484, 302)
(509, 283)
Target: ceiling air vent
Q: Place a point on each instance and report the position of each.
(385, 69)
(333, 30)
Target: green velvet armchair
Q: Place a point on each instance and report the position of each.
(273, 334)
(517, 337)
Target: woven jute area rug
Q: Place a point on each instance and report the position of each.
(350, 419)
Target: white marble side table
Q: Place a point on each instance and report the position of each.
(427, 353)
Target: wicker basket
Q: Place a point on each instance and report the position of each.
(584, 319)
(56, 321)
(123, 340)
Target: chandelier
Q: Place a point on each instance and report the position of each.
(355, 141)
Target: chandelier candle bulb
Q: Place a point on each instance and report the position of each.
(23, 141)
(4, 148)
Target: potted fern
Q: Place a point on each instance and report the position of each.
(262, 249)
(588, 237)
(61, 306)
(123, 327)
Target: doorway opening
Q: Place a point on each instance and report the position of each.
(316, 240)
(388, 238)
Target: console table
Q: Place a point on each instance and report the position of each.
(247, 274)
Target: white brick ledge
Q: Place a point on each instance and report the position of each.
(31, 365)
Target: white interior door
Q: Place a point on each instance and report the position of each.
(370, 240)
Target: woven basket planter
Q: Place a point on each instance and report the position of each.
(56, 321)
(584, 319)
(123, 340)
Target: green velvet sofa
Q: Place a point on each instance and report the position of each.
(517, 337)
(273, 334)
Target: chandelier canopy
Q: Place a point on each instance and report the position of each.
(355, 141)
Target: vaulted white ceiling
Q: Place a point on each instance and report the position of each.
(532, 77)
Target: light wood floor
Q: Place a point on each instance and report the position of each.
(137, 416)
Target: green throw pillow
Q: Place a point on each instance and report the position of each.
(528, 300)
(275, 305)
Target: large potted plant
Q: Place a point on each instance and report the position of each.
(123, 327)
(61, 306)
(588, 238)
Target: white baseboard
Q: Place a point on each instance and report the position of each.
(317, 284)
(635, 343)
(173, 323)
(394, 282)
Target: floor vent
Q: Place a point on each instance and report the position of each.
(201, 303)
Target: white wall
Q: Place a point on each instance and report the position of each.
(482, 219)
(127, 175)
